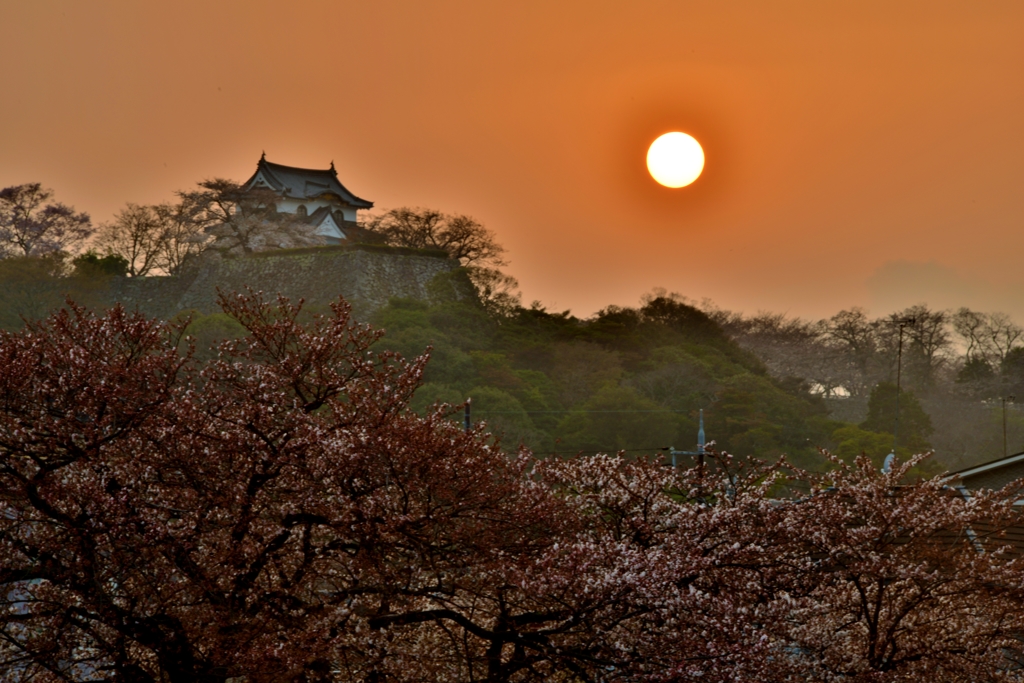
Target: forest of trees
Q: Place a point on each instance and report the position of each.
(271, 511)
(282, 493)
(635, 379)
(630, 379)
(962, 368)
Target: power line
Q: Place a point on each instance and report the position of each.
(602, 450)
(540, 412)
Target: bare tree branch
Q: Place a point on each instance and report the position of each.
(31, 227)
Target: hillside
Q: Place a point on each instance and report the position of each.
(626, 379)
(629, 379)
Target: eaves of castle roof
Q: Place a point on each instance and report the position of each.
(304, 183)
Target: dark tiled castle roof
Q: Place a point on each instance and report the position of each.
(304, 183)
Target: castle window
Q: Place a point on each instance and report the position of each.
(301, 211)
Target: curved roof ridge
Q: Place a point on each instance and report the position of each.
(264, 162)
(294, 181)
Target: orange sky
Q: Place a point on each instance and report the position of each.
(858, 153)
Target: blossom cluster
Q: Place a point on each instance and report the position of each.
(278, 513)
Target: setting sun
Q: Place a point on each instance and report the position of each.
(675, 159)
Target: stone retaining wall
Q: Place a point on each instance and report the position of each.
(367, 276)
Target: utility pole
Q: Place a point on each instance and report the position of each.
(700, 446)
(1006, 399)
(902, 322)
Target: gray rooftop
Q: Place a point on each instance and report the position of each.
(994, 474)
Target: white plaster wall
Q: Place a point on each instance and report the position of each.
(292, 205)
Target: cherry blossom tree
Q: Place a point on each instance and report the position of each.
(274, 514)
(166, 522)
(908, 582)
(243, 221)
(278, 514)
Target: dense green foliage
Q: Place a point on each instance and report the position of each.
(32, 287)
(914, 424)
(92, 264)
(626, 379)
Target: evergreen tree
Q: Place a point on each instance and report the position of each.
(914, 424)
